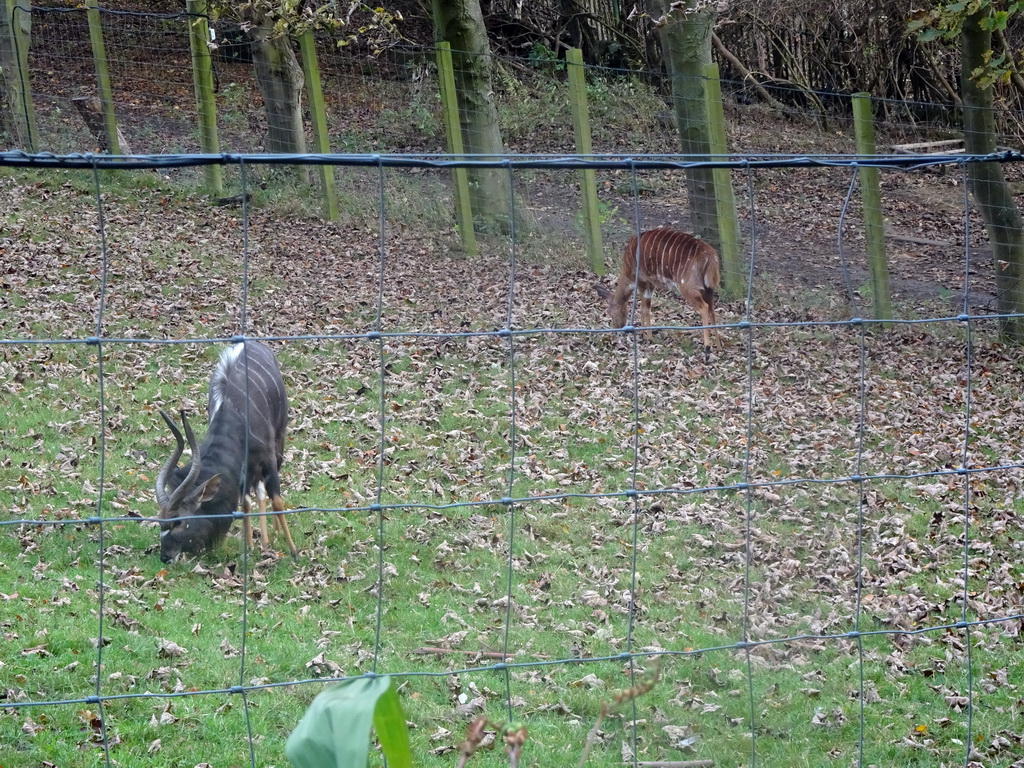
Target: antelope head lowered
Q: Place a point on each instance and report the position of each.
(243, 449)
(672, 259)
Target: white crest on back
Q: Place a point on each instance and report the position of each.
(220, 373)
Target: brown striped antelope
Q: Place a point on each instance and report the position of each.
(243, 450)
(671, 259)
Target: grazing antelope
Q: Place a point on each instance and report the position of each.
(672, 259)
(243, 448)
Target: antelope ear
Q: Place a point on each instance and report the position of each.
(209, 489)
(602, 291)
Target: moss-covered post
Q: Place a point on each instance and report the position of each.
(450, 105)
(733, 272)
(15, 37)
(99, 58)
(871, 198)
(202, 80)
(584, 146)
(318, 113)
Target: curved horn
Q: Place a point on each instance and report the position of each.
(161, 481)
(182, 490)
(169, 502)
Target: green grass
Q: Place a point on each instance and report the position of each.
(446, 572)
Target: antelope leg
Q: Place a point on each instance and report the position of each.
(246, 522)
(645, 315)
(282, 521)
(261, 498)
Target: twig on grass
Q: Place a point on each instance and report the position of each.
(514, 736)
(622, 698)
(514, 740)
(484, 654)
(474, 738)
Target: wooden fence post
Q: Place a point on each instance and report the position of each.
(14, 43)
(584, 146)
(109, 138)
(733, 272)
(318, 113)
(450, 104)
(871, 198)
(202, 80)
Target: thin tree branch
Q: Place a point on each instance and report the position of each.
(939, 77)
(745, 73)
(1015, 77)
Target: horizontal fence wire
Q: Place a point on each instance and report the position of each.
(510, 503)
(20, 159)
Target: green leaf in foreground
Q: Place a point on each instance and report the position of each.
(392, 733)
(335, 731)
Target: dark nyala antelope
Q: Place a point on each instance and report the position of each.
(671, 259)
(246, 388)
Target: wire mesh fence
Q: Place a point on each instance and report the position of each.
(149, 68)
(505, 504)
(391, 100)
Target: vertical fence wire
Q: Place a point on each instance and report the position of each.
(101, 304)
(859, 484)
(378, 325)
(858, 471)
(634, 467)
(748, 461)
(513, 437)
(243, 322)
(965, 462)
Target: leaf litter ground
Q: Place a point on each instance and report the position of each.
(682, 569)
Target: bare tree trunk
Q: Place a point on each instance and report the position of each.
(686, 40)
(461, 23)
(988, 184)
(280, 80)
